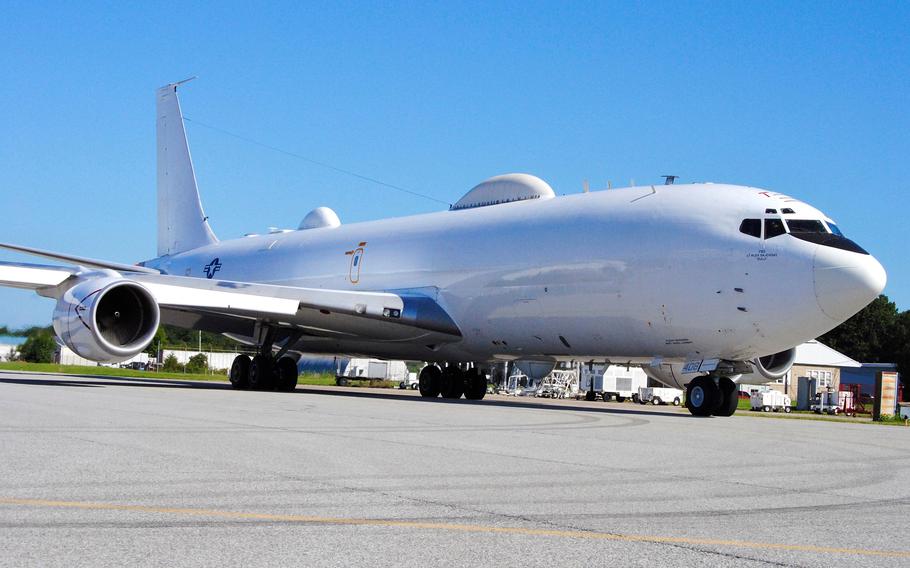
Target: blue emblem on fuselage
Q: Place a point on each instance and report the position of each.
(211, 268)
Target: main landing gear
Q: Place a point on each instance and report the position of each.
(452, 382)
(709, 395)
(265, 371)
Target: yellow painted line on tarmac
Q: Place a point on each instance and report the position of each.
(455, 527)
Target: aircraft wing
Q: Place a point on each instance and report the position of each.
(236, 307)
(32, 276)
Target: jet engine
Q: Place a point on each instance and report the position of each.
(776, 365)
(106, 318)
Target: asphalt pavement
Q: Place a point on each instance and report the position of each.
(114, 472)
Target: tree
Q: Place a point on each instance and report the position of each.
(900, 349)
(171, 363)
(39, 347)
(198, 363)
(160, 339)
(877, 334)
(868, 336)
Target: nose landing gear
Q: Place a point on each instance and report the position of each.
(709, 395)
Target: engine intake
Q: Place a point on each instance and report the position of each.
(106, 318)
(776, 365)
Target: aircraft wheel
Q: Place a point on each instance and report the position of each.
(430, 381)
(701, 396)
(286, 371)
(240, 372)
(452, 383)
(728, 399)
(262, 375)
(475, 385)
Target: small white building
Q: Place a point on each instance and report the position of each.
(8, 347)
(66, 356)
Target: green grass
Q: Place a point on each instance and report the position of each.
(304, 379)
(104, 371)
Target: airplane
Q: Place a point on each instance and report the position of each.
(695, 283)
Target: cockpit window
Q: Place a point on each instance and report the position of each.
(751, 227)
(806, 226)
(835, 230)
(773, 228)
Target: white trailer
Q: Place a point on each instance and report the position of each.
(376, 369)
(410, 383)
(613, 381)
(770, 400)
(660, 395)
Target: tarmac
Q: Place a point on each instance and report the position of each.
(114, 472)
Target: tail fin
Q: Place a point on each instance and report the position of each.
(182, 224)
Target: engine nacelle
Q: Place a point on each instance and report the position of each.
(106, 318)
(775, 366)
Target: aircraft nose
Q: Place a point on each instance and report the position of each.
(846, 281)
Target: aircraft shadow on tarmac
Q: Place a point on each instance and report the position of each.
(101, 381)
(625, 409)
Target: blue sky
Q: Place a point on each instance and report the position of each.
(810, 99)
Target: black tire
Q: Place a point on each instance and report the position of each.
(656, 401)
(590, 396)
(701, 396)
(728, 400)
(262, 373)
(676, 401)
(240, 372)
(430, 381)
(475, 385)
(452, 383)
(635, 397)
(620, 398)
(787, 409)
(286, 374)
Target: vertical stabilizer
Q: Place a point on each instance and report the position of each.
(182, 224)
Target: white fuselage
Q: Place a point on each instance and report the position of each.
(625, 275)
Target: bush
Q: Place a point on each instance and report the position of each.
(171, 364)
(198, 363)
(39, 347)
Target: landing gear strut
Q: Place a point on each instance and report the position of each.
(265, 371)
